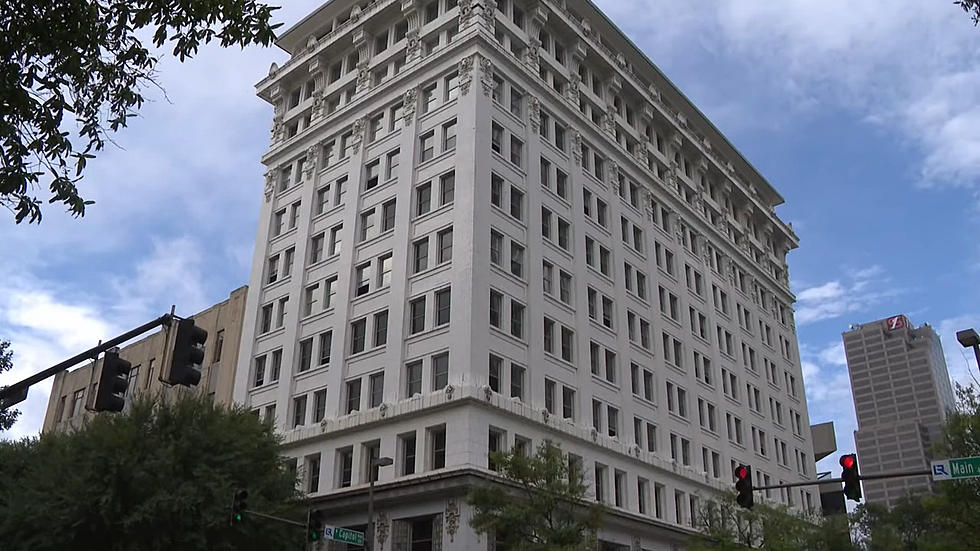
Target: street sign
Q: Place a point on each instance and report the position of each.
(956, 469)
(343, 534)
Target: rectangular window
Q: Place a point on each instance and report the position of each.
(299, 411)
(408, 453)
(449, 136)
(420, 255)
(319, 405)
(516, 319)
(358, 330)
(417, 315)
(381, 328)
(443, 305)
(516, 203)
(413, 378)
(376, 385)
(447, 188)
(440, 371)
(423, 199)
(353, 396)
(305, 355)
(445, 244)
(437, 447)
(517, 381)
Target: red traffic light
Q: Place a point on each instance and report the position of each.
(847, 461)
(742, 472)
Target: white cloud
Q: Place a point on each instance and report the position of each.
(860, 290)
(904, 65)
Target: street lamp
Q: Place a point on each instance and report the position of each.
(373, 474)
(969, 338)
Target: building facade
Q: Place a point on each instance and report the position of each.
(901, 395)
(73, 390)
(487, 224)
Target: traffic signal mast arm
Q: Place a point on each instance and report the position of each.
(924, 472)
(17, 392)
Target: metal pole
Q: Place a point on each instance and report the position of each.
(369, 537)
(19, 389)
(976, 352)
(880, 476)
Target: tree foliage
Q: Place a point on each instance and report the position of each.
(83, 63)
(161, 476)
(542, 509)
(9, 416)
(971, 7)
(726, 526)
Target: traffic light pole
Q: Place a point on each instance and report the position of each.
(279, 519)
(17, 392)
(925, 472)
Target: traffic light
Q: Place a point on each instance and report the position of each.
(185, 365)
(851, 476)
(314, 525)
(111, 393)
(743, 485)
(238, 507)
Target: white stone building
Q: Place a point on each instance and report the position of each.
(487, 224)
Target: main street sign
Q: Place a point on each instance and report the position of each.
(956, 469)
(343, 534)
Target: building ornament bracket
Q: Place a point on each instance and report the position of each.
(358, 135)
(534, 114)
(270, 183)
(309, 168)
(486, 75)
(452, 518)
(383, 524)
(577, 147)
(410, 103)
(466, 74)
(465, 14)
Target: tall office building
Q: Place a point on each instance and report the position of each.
(73, 390)
(901, 396)
(487, 224)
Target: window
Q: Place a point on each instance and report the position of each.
(358, 331)
(496, 191)
(407, 445)
(258, 378)
(516, 203)
(549, 395)
(362, 279)
(376, 384)
(310, 298)
(567, 402)
(335, 240)
(447, 188)
(305, 355)
(517, 260)
(516, 319)
(345, 466)
(497, 138)
(384, 271)
(427, 146)
(567, 346)
(440, 371)
(496, 309)
(417, 315)
(449, 136)
(423, 199)
(420, 255)
(319, 405)
(517, 381)
(353, 392)
(299, 411)
(413, 378)
(372, 174)
(443, 305)
(391, 166)
(381, 328)
(496, 247)
(445, 244)
(330, 291)
(437, 447)
(316, 248)
(516, 151)
(272, 269)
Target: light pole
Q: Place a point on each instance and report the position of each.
(372, 474)
(969, 338)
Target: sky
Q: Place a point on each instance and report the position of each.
(863, 114)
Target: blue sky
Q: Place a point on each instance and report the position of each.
(865, 115)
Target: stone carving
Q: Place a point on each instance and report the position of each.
(270, 184)
(488, 17)
(534, 113)
(382, 524)
(465, 13)
(410, 101)
(311, 43)
(609, 120)
(413, 49)
(451, 517)
(486, 76)
(277, 127)
(358, 135)
(355, 14)
(363, 76)
(594, 434)
(612, 174)
(449, 391)
(544, 414)
(273, 69)
(317, 109)
(310, 166)
(635, 545)
(577, 147)
(487, 392)
(573, 88)
(383, 410)
(465, 75)
(533, 55)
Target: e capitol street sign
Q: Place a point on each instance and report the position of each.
(343, 534)
(956, 469)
